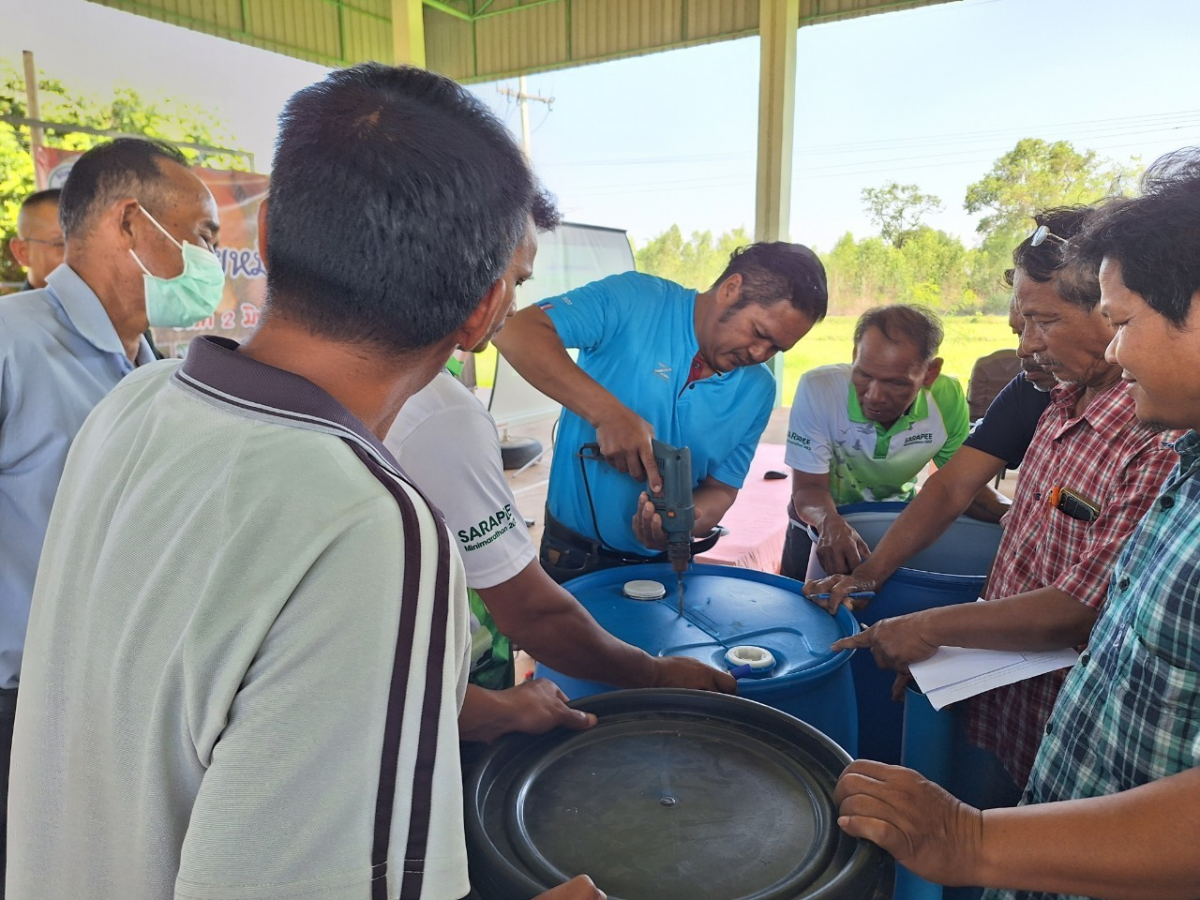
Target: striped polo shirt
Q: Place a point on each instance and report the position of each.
(247, 652)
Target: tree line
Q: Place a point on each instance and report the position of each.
(909, 262)
(124, 110)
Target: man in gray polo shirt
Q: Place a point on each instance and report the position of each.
(249, 637)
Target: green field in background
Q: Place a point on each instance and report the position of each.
(832, 341)
(967, 339)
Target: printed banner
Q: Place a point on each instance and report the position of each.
(238, 196)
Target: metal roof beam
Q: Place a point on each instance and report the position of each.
(776, 114)
(449, 10)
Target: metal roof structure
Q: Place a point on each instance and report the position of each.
(484, 40)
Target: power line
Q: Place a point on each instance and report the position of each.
(730, 181)
(1101, 128)
(963, 157)
(951, 153)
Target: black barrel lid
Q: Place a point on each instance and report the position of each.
(673, 794)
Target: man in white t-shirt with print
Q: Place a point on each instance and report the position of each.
(864, 432)
(447, 442)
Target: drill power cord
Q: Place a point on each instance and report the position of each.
(595, 456)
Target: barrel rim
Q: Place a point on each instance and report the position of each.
(864, 857)
(911, 574)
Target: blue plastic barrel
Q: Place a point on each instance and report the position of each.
(929, 744)
(935, 743)
(727, 607)
(966, 548)
(953, 569)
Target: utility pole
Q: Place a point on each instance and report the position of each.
(523, 98)
(32, 112)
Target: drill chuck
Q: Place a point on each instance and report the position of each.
(679, 555)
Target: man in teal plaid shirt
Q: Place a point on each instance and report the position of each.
(1112, 808)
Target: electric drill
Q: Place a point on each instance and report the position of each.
(675, 505)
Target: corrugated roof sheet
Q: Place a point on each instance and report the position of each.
(482, 40)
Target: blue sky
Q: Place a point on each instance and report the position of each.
(929, 96)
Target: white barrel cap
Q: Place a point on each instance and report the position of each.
(644, 589)
(754, 657)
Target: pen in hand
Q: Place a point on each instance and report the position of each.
(854, 595)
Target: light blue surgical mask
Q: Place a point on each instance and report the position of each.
(192, 295)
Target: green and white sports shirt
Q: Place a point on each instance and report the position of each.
(828, 432)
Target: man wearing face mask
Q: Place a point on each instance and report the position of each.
(127, 209)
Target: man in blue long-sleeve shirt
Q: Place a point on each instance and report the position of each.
(126, 209)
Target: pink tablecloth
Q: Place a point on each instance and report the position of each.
(757, 521)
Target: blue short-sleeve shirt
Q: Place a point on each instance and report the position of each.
(636, 336)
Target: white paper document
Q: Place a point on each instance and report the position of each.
(955, 673)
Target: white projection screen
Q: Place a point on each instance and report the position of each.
(568, 257)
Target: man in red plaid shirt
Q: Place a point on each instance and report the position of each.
(1052, 568)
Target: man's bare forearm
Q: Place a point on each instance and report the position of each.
(485, 715)
(1136, 845)
(551, 625)
(712, 500)
(943, 498)
(532, 346)
(811, 499)
(545, 620)
(1044, 619)
(988, 505)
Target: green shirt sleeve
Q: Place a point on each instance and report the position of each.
(947, 393)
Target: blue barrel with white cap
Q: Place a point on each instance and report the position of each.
(732, 618)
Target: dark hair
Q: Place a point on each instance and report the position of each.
(124, 167)
(902, 322)
(546, 216)
(1155, 237)
(37, 198)
(1050, 261)
(777, 271)
(397, 199)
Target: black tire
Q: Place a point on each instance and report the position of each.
(518, 451)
